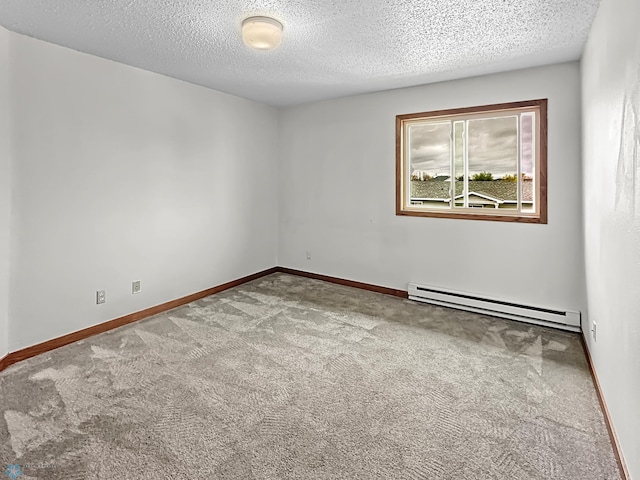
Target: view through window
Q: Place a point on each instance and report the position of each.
(485, 163)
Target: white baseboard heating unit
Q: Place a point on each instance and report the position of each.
(563, 319)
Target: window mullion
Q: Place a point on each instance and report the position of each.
(406, 169)
(452, 166)
(519, 165)
(465, 148)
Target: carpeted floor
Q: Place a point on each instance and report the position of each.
(287, 377)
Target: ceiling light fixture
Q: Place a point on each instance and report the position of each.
(261, 33)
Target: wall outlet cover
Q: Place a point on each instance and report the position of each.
(101, 296)
(135, 287)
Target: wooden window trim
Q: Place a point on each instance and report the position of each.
(540, 217)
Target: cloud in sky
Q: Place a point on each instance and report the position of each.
(430, 147)
(493, 146)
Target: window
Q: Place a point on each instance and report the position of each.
(479, 163)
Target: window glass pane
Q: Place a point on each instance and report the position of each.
(493, 162)
(430, 164)
(528, 156)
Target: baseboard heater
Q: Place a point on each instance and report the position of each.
(563, 319)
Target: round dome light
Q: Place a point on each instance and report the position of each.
(261, 33)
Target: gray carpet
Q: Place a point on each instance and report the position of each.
(287, 377)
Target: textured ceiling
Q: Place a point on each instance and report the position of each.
(331, 48)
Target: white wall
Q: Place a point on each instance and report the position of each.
(611, 146)
(5, 190)
(121, 174)
(337, 196)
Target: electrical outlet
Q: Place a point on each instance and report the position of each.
(101, 296)
(308, 255)
(135, 287)
(594, 331)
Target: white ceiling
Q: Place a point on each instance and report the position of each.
(331, 48)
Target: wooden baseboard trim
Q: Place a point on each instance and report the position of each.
(348, 283)
(58, 342)
(4, 363)
(617, 450)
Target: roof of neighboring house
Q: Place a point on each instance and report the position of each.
(483, 196)
(498, 189)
